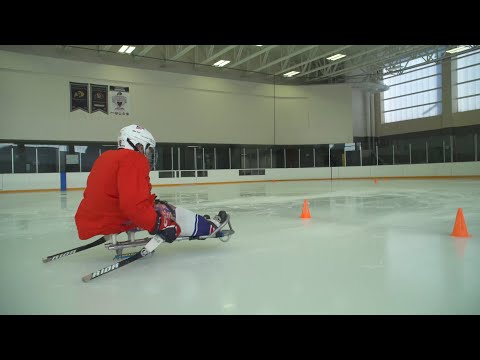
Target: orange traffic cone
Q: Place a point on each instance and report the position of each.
(305, 210)
(460, 227)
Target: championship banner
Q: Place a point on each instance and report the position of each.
(99, 98)
(78, 96)
(120, 98)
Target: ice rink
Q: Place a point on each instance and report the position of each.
(369, 248)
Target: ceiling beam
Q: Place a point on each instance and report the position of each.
(209, 51)
(221, 52)
(335, 51)
(183, 52)
(379, 59)
(397, 68)
(346, 58)
(268, 48)
(239, 52)
(145, 50)
(285, 57)
(416, 52)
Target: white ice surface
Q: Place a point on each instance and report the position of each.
(369, 248)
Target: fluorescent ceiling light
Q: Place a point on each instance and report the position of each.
(258, 45)
(291, 73)
(130, 49)
(458, 49)
(336, 57)
(126, 49)
(221, 63)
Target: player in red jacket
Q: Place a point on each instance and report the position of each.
(118, 195)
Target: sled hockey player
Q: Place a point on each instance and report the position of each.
(118, 195)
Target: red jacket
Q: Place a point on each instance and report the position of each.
(117, 197)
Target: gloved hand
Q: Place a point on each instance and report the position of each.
(169, 234)
(166, 228)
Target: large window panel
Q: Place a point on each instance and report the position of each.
(414, 94)
(472, 88)
(466, 81)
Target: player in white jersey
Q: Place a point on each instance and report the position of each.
(191, 224)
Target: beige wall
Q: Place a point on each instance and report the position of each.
(448, 118)
(313, 114)
(34, 105)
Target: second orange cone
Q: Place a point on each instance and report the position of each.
(460, 227)
(305, 210)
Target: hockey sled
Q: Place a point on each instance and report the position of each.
(220, 233)
(148, 244)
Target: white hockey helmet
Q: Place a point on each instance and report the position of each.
(132, 135)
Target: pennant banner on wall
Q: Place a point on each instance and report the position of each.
(119, 98)
(78, 96)
(99, 98)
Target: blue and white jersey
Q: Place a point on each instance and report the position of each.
(191, 223)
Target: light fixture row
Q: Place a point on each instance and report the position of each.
(126, 49)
